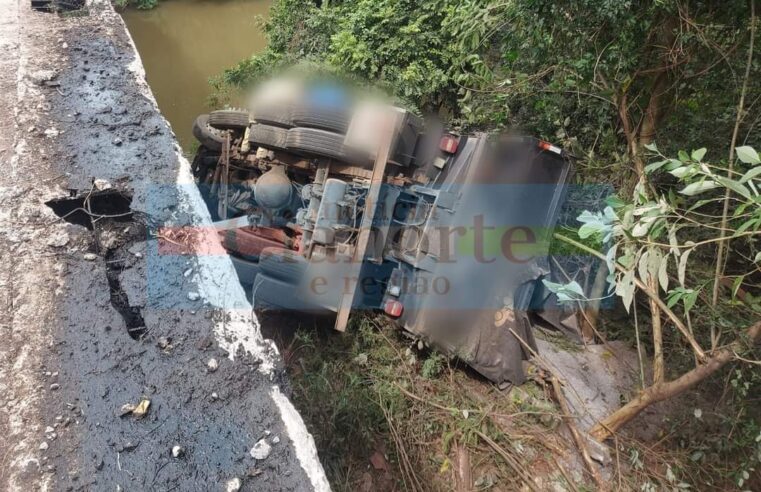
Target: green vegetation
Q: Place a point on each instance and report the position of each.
(602, 78)
(139, 4)
(606, 80)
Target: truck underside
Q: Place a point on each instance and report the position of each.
(337, 207)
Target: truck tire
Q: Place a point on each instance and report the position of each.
(323, 118)
(274, 295)
(320, 142)
(279, 116)
(246, 269)
(271, 137)
(209, 137)
(229, 119)
(282, 264)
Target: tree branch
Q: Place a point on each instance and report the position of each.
(644, 288)
(604, 429)
(723, 245)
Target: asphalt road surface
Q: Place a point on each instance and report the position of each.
(95, 314)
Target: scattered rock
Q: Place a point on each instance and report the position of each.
(178, 451)
(49, 429)
(142, 408)
(214, 396)
(54, 386)
(108, 239)
(213, 365)
(127, 408)
(41, 76)
(163, 342)
(44, 446)
(117, 141)
(187, 272)
(58, 240)
(138, 410)
(194, 296)
(51, 132)
(234, 485)
(261, 450)
(101, 184)
(276, 440)
(90, 256)
(127, 446)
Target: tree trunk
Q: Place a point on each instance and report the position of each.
(654, 394)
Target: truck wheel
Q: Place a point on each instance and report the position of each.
(322, 118)
(209, 137)
(279, 116)
(246, 269)
(320, 142)
(282, 264)
(271, 137)
(229, 119)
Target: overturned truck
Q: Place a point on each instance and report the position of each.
(332, 206)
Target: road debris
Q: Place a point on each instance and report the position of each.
(40, 77)
(127, 446)
(137, 411)
(261, 450)
(234, 485)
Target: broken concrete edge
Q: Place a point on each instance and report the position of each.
(240, 327)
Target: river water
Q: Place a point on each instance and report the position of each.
(185, 42)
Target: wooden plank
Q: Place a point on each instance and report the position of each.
(371, 204)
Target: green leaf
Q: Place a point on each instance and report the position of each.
(681, 171)
(735, 186)
(673, 164)
(682, 269)
(651, 147)
(748, 155)
(590, 229)
(663, 275)
(752, 173)
(697, 155)
(655, 166)
(736, 285)
(625, 289)
(699, 187)
(689, 299)
(642, 269)
(614, 201)
(683, 156)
